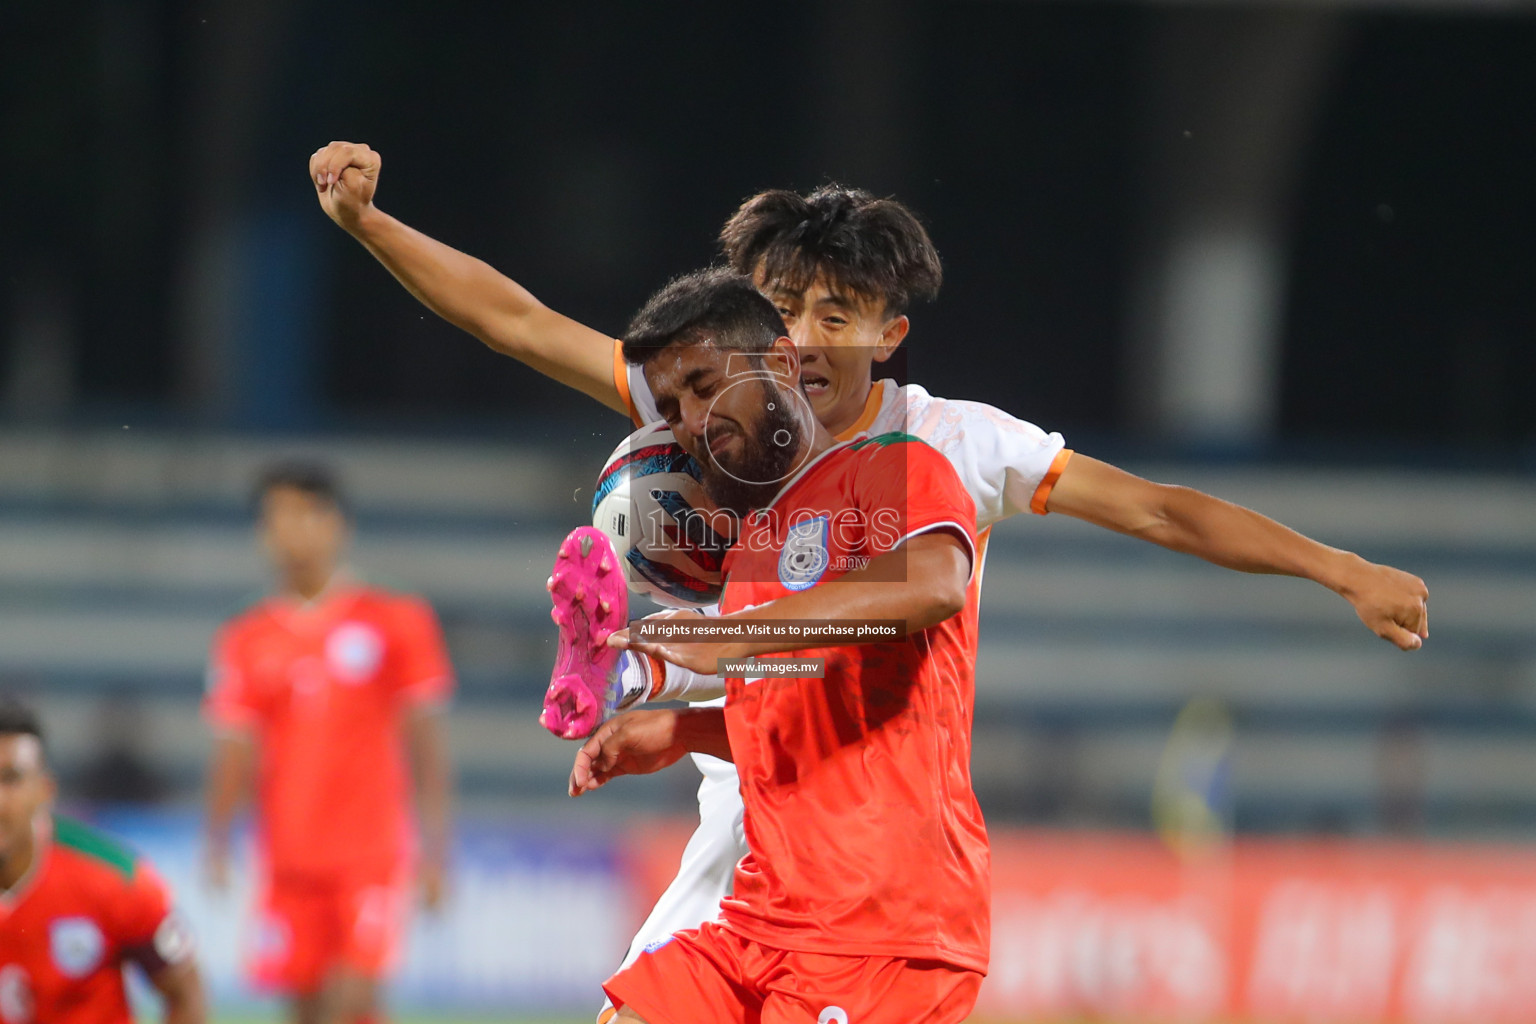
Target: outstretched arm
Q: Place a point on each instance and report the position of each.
(465, 291)
(181, 990)
(641, 742)
(1393, 603)
(922, 583)
(427, 741)
(229, 772)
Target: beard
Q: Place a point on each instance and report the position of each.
(752, 478)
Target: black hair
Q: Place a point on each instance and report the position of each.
(876, 248)
(312, 478)
(715, 305)
(16, 719)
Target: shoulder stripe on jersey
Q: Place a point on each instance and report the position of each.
(886, 440)
(97, 845)
(872, 406)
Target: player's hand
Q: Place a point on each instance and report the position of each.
(1392, 603)
(675, 613)
(345, 176)
(634, 743)
(433, 877)
(703, 658)
(216, 869)
(696, 657)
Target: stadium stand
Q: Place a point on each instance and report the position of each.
(122, 552)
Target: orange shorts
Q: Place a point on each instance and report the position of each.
(308, 926)
(712, 974)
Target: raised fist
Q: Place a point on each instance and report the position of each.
(345, 175)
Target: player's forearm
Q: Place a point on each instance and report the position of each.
(465, 291)
(474, 296)
(181, 992)
(186, 1010)
(228, 771)
(1239, 538)
(921, 584)
(1392, 603)
(434, 783)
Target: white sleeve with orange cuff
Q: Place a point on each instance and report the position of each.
(1007, 464)
(632, 388)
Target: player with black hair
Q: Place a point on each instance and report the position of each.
(329, 693)
(864, 892)
(77, 906)
(724, 307)
(314, 479)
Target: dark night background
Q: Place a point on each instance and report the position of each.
(591, 150)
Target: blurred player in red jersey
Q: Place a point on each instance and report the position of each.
(76, 907)
(865, 892)
(334, 690)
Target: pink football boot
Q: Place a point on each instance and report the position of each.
(591, 601)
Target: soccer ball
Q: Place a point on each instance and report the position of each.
(650, 503)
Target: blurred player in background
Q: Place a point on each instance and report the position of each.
(333, 690)
(842, 267)
(865, 894)
(76, 907)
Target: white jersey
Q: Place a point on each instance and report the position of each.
(1007, 464)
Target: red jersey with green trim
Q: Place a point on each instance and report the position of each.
(865, 837)
(325, 688)
(87, 907)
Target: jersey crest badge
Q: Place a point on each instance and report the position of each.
(353, 651)
(77, 945)
(804, 558)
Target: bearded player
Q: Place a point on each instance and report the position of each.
(329, 692)
(77, 907)
(865, 894)
(842, 267)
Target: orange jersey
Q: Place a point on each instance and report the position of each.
(86, 908)
(865, 836)
(326, 688)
